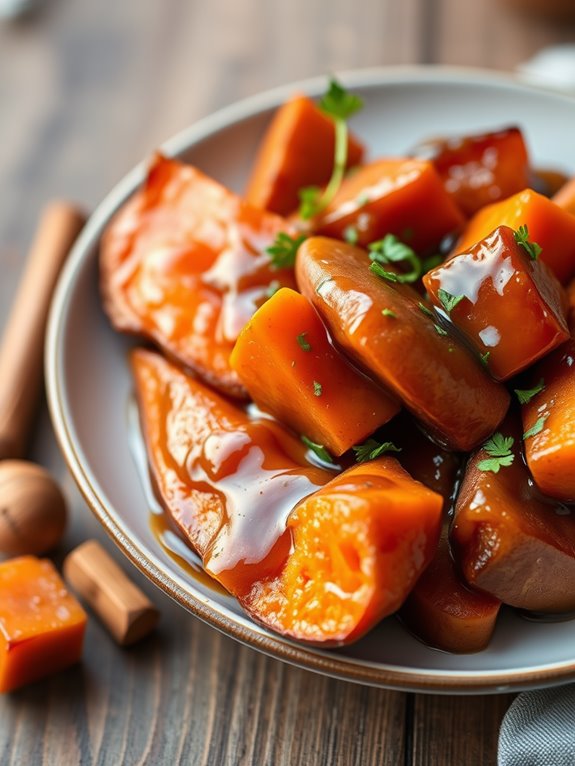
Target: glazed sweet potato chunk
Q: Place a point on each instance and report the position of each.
(184, 264)
(511, 541)
(288, 365)
(550, 226)
(358, 547)
(480, 169)
(41, 625)
(565, 197)
(549, 416)
(486, 289)
(296, 151)
(436, 378)
(392, 196)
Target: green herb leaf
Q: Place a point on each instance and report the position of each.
(302, 342)
(439, 330)
(498, 447)
(430, 263)
(350, 235)
(284, 250)
(448, 301)
(390, 249)
(532, 249)
(390, 276)
(318, 449)
(537, 427)
(372, 449)
(317, 388)
(485, 358)
(426, 310)
(389, 313)
(338, 104)
(525, 395)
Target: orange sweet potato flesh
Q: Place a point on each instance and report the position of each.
(499, 283)
(565, 197)
(480, 169)
(446, 614)
(296, 151)
(347, 555)
(358, 547)
(285, 359)
(511, 541)
(41, 625)
(436, 378)
(548, 224)
(183, 264)
(392, 196)
(550, 453)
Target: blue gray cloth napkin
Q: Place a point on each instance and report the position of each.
(539, 729)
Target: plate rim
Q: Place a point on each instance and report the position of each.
(250, 633)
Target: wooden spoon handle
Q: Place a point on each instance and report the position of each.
(21, 350)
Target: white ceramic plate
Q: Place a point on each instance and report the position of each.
(89, 385)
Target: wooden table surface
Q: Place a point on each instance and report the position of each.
(86, 90)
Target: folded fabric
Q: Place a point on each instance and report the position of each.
(539, 729)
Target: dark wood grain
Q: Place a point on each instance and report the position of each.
(87, 89)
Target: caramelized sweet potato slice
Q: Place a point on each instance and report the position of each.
(183, 263)
(497, 282)
(358, 546)
(288, 365)
(480, 169)
(550, 416)
(296, 151)
(446, 614)
(551, 227)
(510, 540)
(436, 378)
(392, 196)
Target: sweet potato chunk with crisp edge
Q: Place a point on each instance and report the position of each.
(288, 365)
(183, 264)
(41, 625)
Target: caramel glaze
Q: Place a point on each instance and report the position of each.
(184, 264)
(227, 481)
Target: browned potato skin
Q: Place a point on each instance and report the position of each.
(510, 540)
(437, 379)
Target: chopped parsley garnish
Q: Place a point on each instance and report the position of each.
(532, 249)
(390, 276)
(537, 427)
(339, 105)
(317, 388)
(351, 235)
(485, 358)
(525, 395)
(302, 342)
(317, 449)
(390, 249)
(425, 310)
(371, 449)
(284, 250)
(430, 263)
(439, 330)
(448, 301)
(498, 447)
(389, 313)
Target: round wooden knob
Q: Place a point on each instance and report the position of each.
(32, 509)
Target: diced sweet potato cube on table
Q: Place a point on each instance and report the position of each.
(296, 151)
(480, 169)
(550, 414)
(288, 365)
(549, 225)
(497, 283)
(41, 625)
(183, 263)
(392, 196)
(511, 541)
(437, 378)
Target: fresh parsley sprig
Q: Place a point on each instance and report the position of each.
(525, 395)
(449, 301)
(371, 449)
(532, 249)
(390, 249)
(339, 105)
(498, 447)
(318, 449)
(284, 250)
(536, 428)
